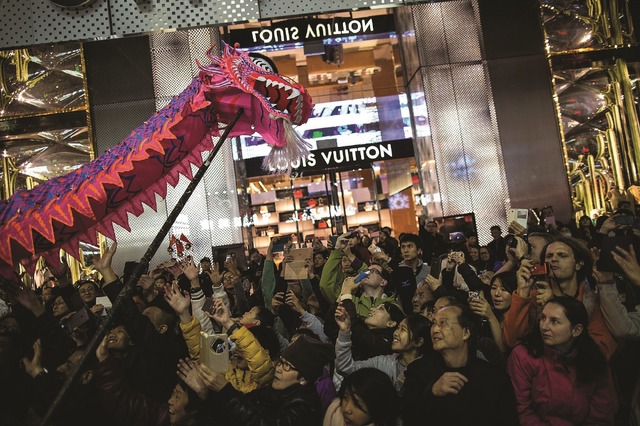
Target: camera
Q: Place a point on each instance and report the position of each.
(539, 272)
(511, 240)
(474, 295)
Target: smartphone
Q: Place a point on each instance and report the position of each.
(457, 256)
(539, 272)
(474, 295)
(208, 305)
(282, 241)
(214, 352)
(436, 264)
(77, 319)
(333, 240)
(520, 216)
(362, 275)
(606, 263)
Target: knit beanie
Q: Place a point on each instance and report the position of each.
(309, 356)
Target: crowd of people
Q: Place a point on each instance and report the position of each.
(538, 327)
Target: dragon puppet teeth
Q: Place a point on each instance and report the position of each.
(261, 78)
(294, 93)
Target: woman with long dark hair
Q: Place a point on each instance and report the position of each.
(559, 374)
(367, 397)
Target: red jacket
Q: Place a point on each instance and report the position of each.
(546, 391)
(521, 319)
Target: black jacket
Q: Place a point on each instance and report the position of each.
(296, 405)
(486, 399)
(432, 245)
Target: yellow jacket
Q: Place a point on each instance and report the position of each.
(261, 367)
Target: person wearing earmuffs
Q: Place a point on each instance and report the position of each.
(569, 267)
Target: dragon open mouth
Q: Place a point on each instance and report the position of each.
(283, 97)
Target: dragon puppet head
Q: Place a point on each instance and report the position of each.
(65, 210)
(272, 103)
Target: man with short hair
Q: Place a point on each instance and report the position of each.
(411, 271)
(433, 243)
(387, 243)
(372, 289)
(452, 386)
(205, 277)
(339, 265)
(498, 246)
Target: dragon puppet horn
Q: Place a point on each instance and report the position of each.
(66, 210)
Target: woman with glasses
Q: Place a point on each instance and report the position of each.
(290, 400)
(559, 374)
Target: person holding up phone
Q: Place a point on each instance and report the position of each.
(290, 400)
(569, 263)
(340, 265)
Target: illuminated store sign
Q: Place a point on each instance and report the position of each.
(349, 157)
(299, 30)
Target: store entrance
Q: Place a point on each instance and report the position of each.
(324, 204)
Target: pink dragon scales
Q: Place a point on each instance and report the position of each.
(63, 211)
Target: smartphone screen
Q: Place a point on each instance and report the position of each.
(436, 264)
(282, 241)
(606, 263)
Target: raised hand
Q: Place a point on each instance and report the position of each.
(524, 278)
(216, 277)
(104, 262)
(190, 270)
(628, 262)
(517, 228)
(308, 263)
(349, 285)
(221, 314)
(432, 283)
(449, 383)
(544, 293)
(24, 296)
(97, 309)
(145, 282)
(480, 306)
(188, 372)
(277, 301)
(273, 241)
(178, 301)
(212, 380)
(294, 302)
(102, 352)
(343, 319)
(33, 366)
(317, 244)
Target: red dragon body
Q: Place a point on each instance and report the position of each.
(66, 210)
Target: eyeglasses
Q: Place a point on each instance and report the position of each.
(374, 271)
(443, 323)
(286, 365)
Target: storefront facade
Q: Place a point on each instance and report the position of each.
(447, 107)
